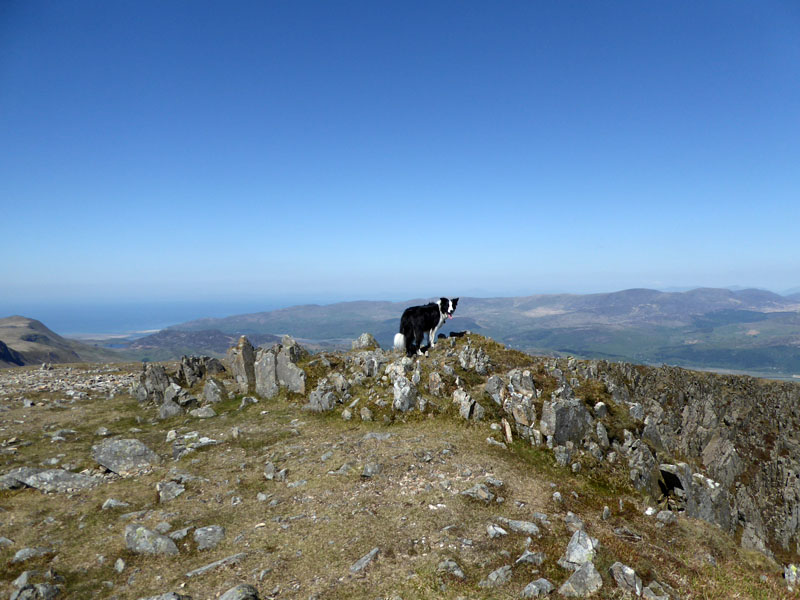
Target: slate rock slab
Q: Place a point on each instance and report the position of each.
(228, 560)
(525, 527)
(362, 562)
(168, 596)
(530, 558)
(141, 540)
(28, 553)
(53, 480)
(124, 456)
(112, 503)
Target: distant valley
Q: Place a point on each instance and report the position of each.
(747, 330)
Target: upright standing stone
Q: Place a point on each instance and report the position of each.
(405, 395)
(242, 360)
(289, 374)
(266, 374)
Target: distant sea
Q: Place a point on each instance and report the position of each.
(126, 317)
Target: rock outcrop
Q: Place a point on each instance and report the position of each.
(276, 368)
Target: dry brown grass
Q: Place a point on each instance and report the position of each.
(303, 545)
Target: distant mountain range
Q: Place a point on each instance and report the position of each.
(26, 341)
(746, 330)
(169, 344)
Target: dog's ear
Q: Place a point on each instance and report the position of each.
(455, 301)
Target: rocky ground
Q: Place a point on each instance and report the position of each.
(473, 472)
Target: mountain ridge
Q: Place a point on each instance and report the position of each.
(748, 329)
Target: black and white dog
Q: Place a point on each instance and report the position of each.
(419, 320)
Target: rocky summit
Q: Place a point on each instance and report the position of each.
(471, 472)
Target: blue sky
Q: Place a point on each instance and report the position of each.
(347, 150)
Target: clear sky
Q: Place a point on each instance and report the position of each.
(368, 150)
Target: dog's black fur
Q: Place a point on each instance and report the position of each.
(420, 320)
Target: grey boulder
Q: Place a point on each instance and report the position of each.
(39, 591)
(169, 409)
(52, 480)
(242, 591)
(566, 420)
(209, 537)
(141, 540)
(580, 550)
(204, 412)
(28, 553)
(323, 398)
(214, 391)
(479, 491)
(169, 490)
(540, 587)
(498, 577)
(451, 567)
(583, 582)
(123, 456)
(405, 394)
(365, 341)
(626, 578)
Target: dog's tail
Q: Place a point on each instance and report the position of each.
(399, 341)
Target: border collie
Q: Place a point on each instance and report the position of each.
(419, 320)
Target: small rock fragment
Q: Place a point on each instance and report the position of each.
(362, 562)
(451, 567)
(540, 587)
(498, 577)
